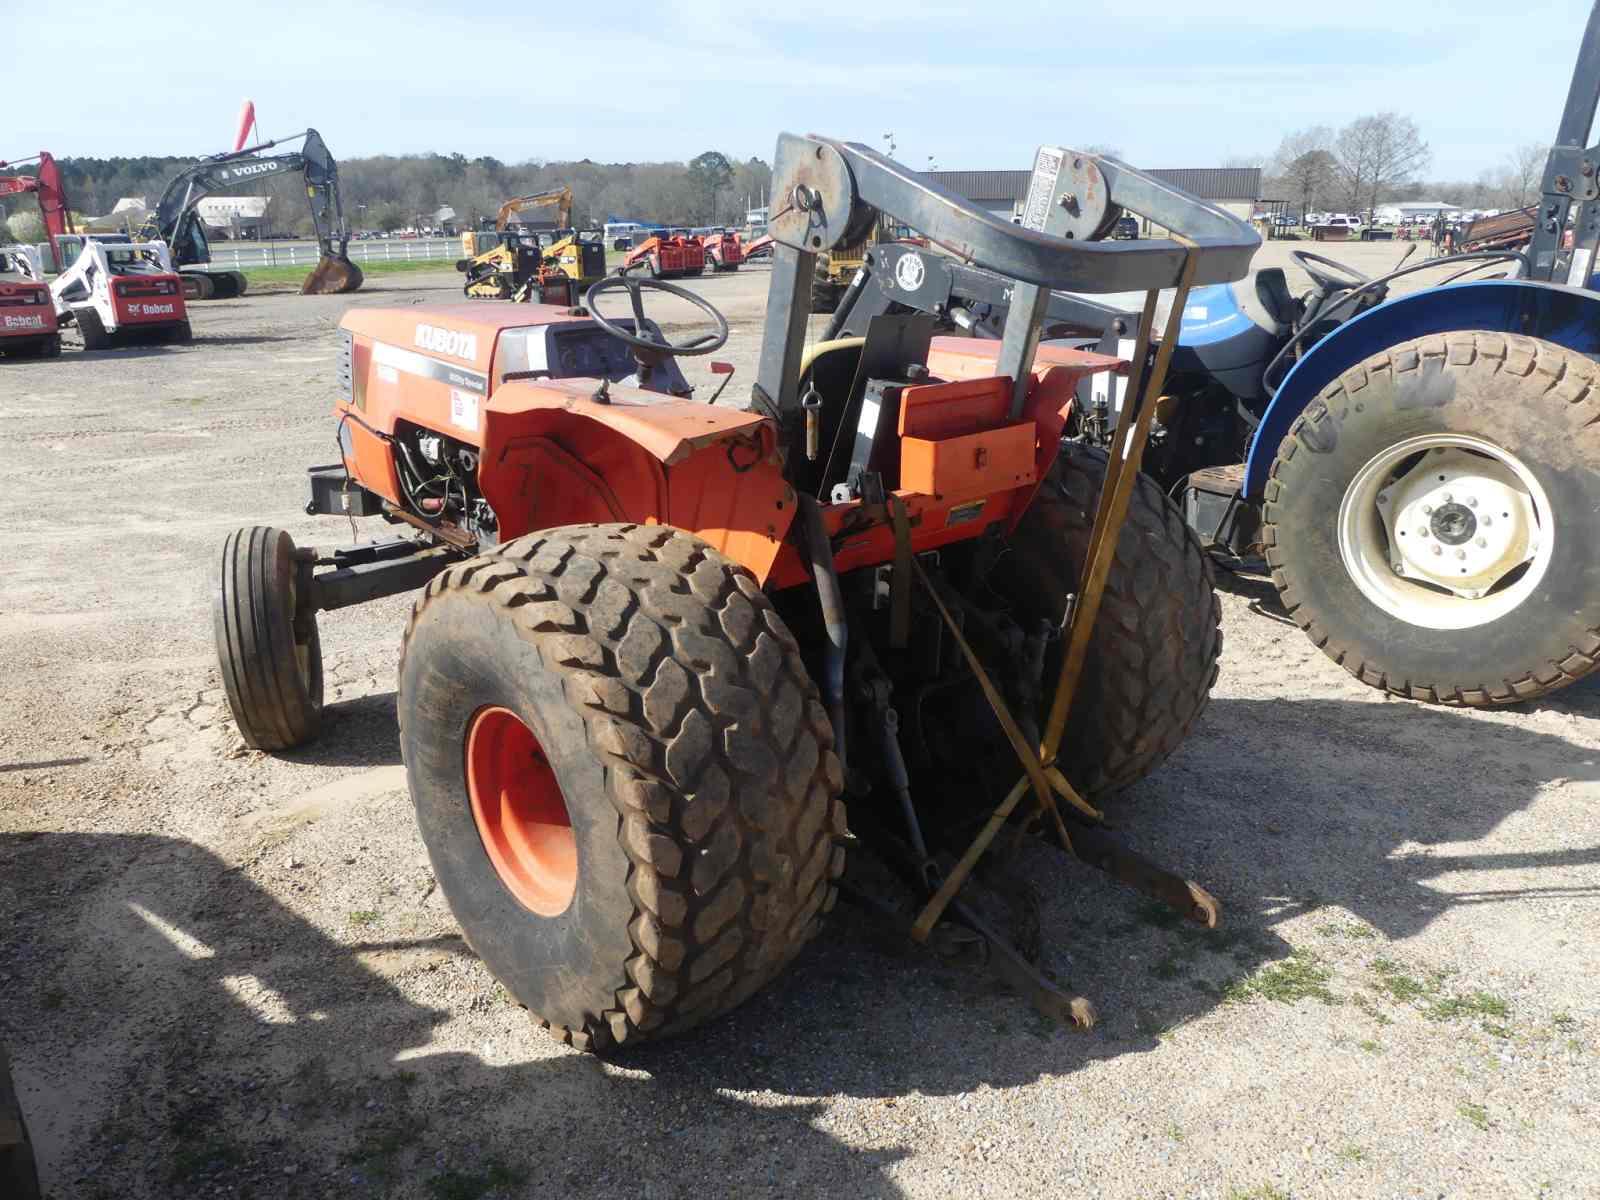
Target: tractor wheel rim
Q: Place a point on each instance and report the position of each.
(520, 812)
(1446, 531)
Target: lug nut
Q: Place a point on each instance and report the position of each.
(1438, 549)
(1427, 510)
(1383, 498)
(1422, 531)
(1399, 568)
(1488, 521)
(1447, 497)
(1472, 502)
(1482, 542)
(1461, 553)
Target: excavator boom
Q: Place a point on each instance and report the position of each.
(46, 185)
(559, 199)
(177, 220)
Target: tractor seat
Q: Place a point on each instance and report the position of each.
(1265, 298)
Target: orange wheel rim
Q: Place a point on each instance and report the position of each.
(521, 815)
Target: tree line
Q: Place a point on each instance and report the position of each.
(1380, 159)
(388, 192)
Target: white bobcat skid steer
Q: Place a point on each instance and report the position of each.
(116, 293)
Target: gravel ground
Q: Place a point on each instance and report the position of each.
(228, 974)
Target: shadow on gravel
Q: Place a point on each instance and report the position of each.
(1257, 589)
(244, 339)
(361, 732)
(176, 1029)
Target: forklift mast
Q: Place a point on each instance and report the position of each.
(177, 221)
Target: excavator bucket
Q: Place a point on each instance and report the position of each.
(332, 275)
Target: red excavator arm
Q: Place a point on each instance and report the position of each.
(47, 186)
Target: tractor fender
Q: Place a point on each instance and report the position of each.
(1566, 316)
(554, 455)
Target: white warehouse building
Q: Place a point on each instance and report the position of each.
(1408, 211)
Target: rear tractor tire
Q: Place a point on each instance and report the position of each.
(1152, 658)
(623, 775)
(1429, 519)
(270, 655)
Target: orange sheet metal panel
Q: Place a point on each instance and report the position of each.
(708, 470)
(941, 410)
(732, 494)
(971, 358)
(670, 429)
(973, 464)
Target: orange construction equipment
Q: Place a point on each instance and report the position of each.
(666, 254)
(46, 185)
(723, 250)
(656, 641)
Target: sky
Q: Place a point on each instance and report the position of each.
(959, 85)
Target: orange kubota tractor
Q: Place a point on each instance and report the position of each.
(660, 644)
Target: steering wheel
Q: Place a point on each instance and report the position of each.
(706, 343)
(1341, 278)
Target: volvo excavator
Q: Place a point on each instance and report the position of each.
(177, 222)
(513, 262)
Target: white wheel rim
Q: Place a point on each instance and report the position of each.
(1446, 531)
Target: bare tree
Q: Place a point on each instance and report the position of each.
(1375, 154)
(1297, 145)
(1308, 180)
(1523, 174)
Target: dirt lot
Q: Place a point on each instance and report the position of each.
(227, 974)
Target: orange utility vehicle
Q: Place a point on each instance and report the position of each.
(667, 253)
(723, 251)
(659, 643)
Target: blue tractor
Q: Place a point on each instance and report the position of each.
(1419, 475)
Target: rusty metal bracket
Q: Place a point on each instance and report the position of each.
(1105, 853)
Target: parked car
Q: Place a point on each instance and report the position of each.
(1127, 228)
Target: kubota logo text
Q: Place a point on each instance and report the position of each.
(447, 341)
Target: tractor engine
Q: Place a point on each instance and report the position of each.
(439, 480)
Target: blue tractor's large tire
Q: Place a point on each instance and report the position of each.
(1520, 413)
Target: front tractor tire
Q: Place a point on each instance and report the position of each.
(1429, 519)
(1152, 658)
(269, 653)
(623, 774)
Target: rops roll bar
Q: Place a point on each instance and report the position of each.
(826, 193)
